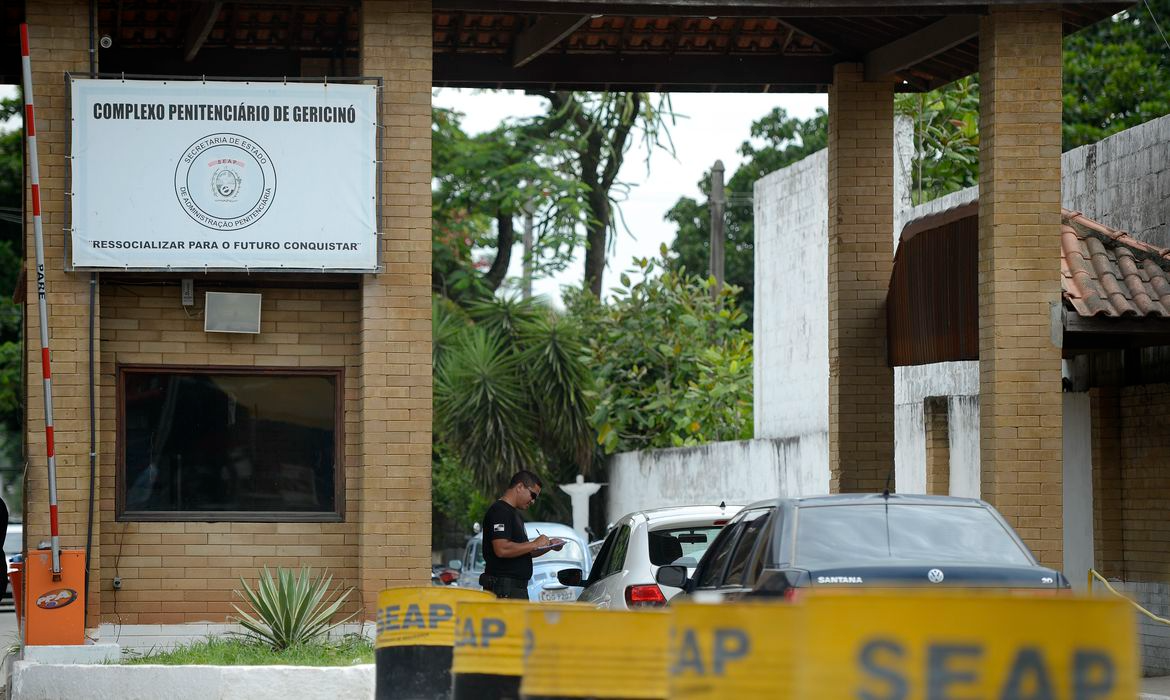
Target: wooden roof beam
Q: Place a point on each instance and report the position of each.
(932, 40)
(607, 71)
(545, 33)
(200, 28)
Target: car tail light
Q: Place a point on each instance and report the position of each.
(644, 595)
(448, 576)
(791, 594)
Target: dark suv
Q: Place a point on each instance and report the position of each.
(864, 541)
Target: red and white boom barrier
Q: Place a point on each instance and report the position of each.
(30, 131)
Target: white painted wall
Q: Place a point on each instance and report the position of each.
(736, 472)
(1078, 488)
(963, 424)
(791, 344)
(790, 455)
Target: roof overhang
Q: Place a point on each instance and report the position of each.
(661, 45)
(1115, 290)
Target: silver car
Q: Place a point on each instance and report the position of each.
(544, 584)
(639, 543)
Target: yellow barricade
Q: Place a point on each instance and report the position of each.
(578, 652)
(422, 616)
(416, 633)
(741, 650)
(967, 645)
(489, 649)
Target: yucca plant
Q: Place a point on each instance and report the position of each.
(289, 609)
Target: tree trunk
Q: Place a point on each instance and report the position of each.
(595, 240)
(504, 240)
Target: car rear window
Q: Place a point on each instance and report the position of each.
(671, 544)
(844, 535)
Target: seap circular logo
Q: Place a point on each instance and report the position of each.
(58, 598)
(225, 181)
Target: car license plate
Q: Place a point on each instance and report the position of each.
(558, 594)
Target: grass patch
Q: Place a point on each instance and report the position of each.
(220, 651)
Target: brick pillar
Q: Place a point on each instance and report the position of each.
(392, 503)
(938, 446)
(1108, 481)
(861, 254)
(1019, 272)
(58, 42)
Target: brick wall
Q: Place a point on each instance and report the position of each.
(861, 254)
(938, 446)
(394, 540)
(186, 571)
(1019, 208)
(1145, 449)
(1108, 503)
(1131, 448)
(380, 332)
(58, 37)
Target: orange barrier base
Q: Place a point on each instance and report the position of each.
(54, 612)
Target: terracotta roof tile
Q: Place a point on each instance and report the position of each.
(1105, 272)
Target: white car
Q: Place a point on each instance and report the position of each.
(12, 546)
(639, 543)
(544, 585)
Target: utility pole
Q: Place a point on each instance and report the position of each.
(717, 204)
(526, 278)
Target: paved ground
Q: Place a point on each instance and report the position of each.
(1156, 688)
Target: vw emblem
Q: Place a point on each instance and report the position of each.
(935, 575)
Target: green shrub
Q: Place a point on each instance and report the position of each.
(289, 609)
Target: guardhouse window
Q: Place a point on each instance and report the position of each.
(229, 444)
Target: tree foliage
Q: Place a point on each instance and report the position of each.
(777, 141)
(511, 390)
(673, 366)
(11, 313)
(1116, 74)
(593, 133)
(946, 138)
(480, 185)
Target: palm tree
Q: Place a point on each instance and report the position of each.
(511, 389)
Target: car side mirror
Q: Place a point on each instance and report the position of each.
(673, 576)
(570, 577)
(455, 564)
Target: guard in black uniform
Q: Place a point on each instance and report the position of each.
(507, 553)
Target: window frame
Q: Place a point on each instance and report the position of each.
(279, 516)
(728, 537)
(751, 553)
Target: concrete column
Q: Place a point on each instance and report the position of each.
(392, 502)
(58, 42)
(861, 254)
(1019, 271)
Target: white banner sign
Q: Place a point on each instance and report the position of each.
(218, 175)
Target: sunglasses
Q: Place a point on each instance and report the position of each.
(532, 493)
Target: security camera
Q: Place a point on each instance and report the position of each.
(106, 41)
